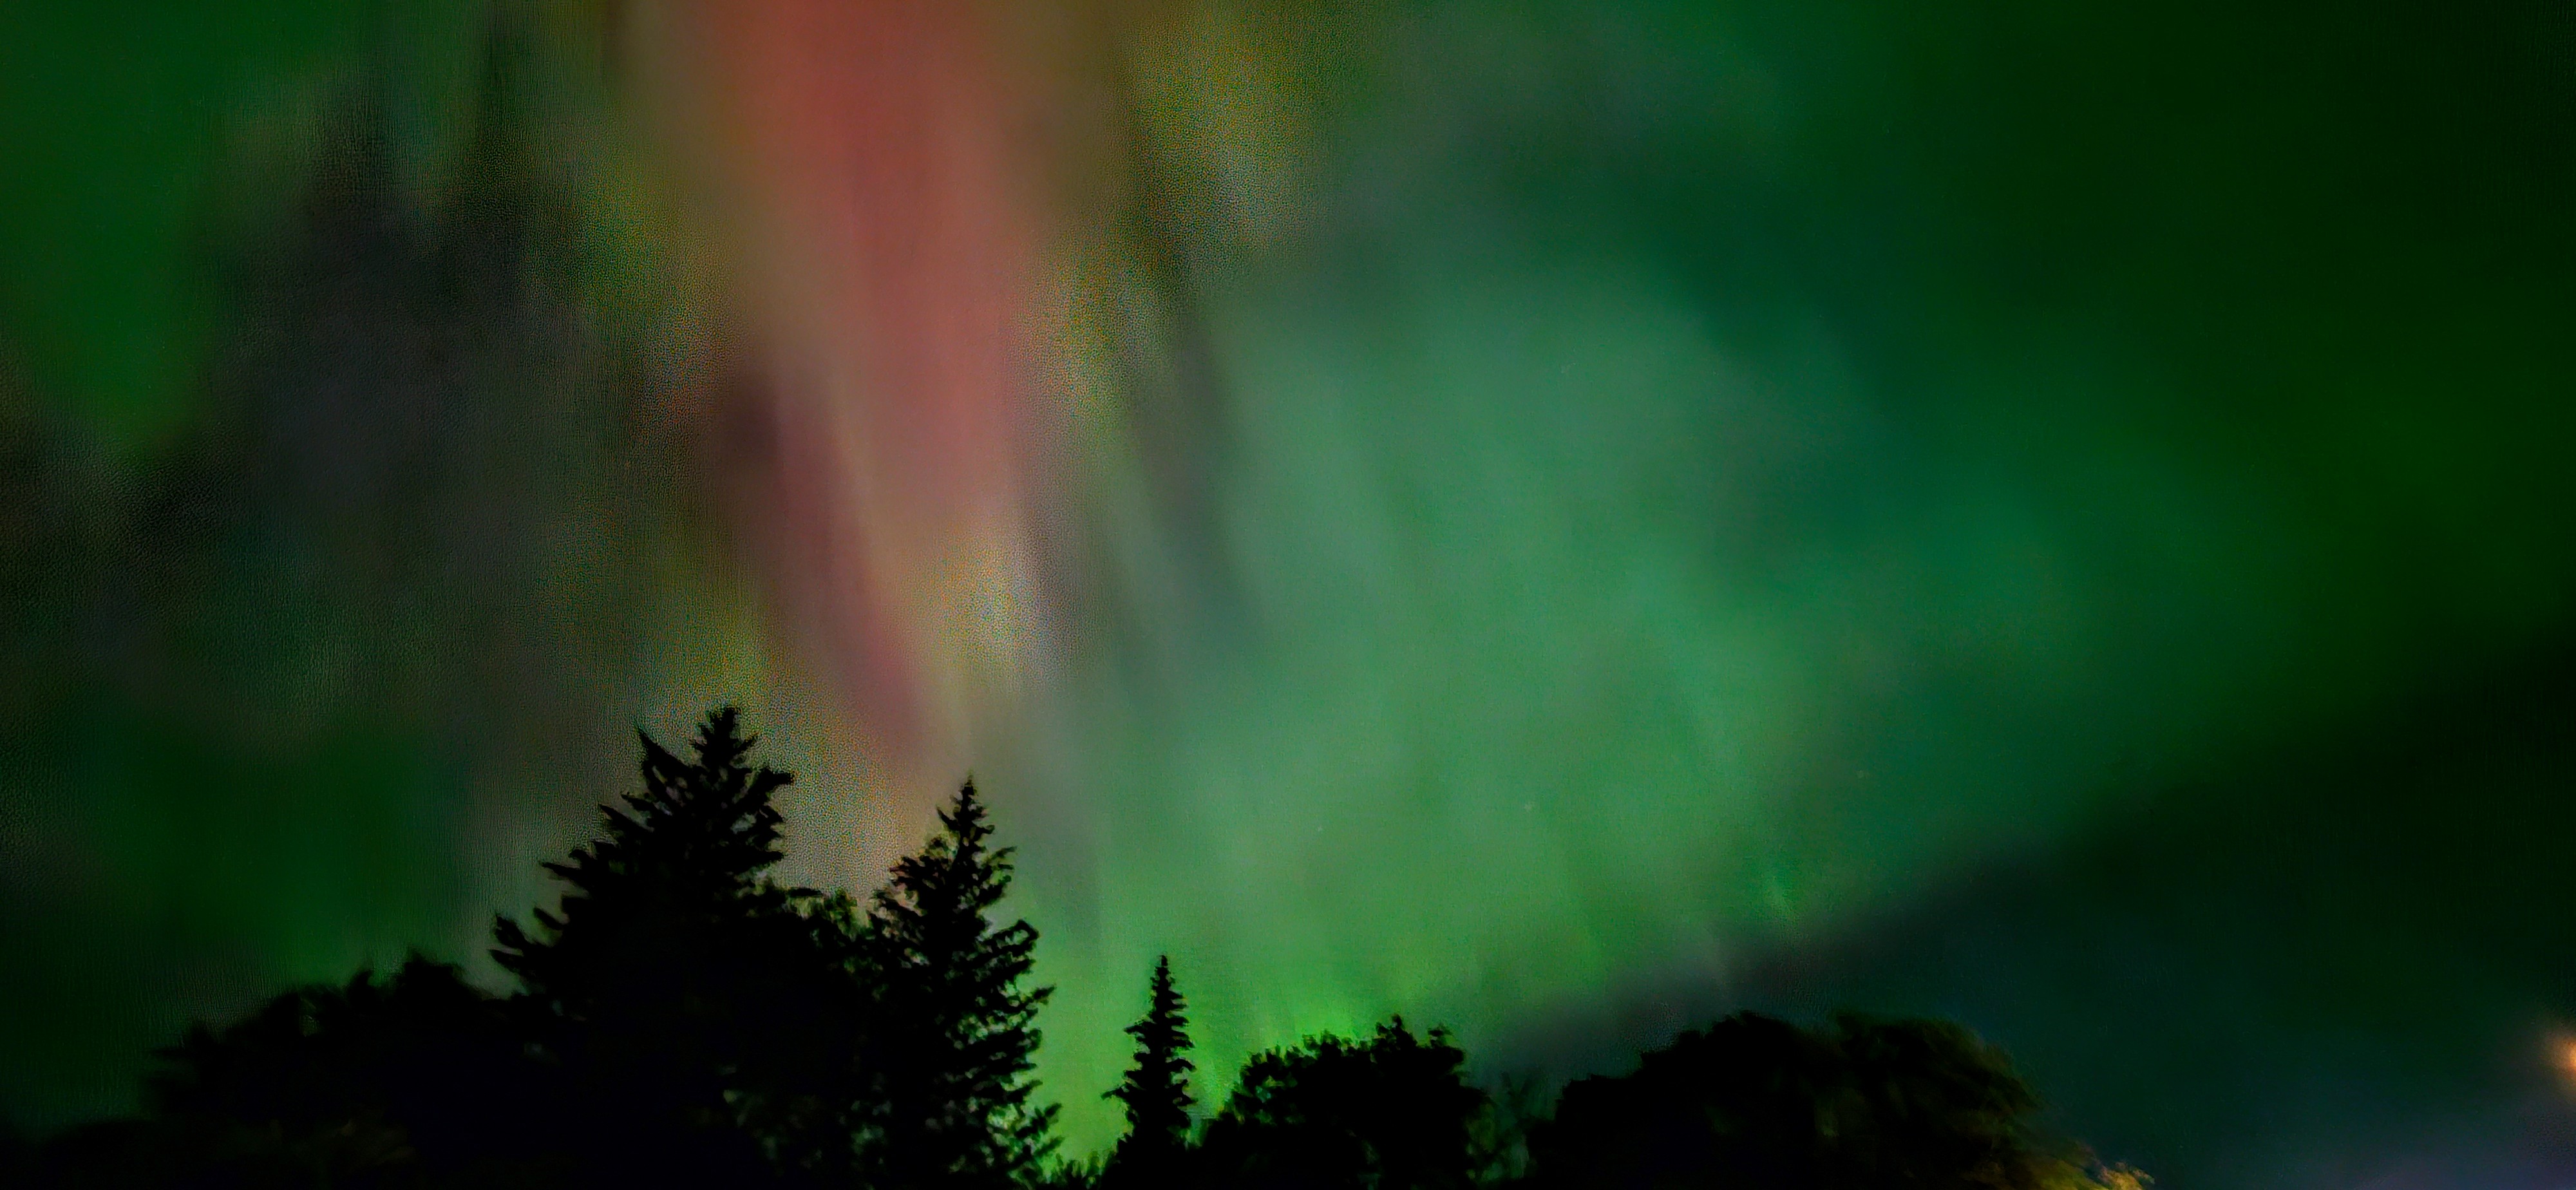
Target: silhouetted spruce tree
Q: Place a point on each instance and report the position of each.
(1156, 1093)
(705, 1020)
(1392, 1112)
(958, 1037)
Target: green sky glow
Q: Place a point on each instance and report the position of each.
(2058, 517)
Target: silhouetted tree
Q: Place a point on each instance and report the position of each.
(958, 1040)
(706, 1019)
(410, 1081)
(685, 1021)
(1393, 1112)
(1156, 1092)
(1757, 1101)
(1500, 1138)
(17, 1156)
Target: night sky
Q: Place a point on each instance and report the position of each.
(1558, 518)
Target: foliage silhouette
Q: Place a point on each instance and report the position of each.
(17, 1155)
(415, 1080)
(1392, 1111)
(683, 1020)
(1758, 1101)
(1155, 1093)
(952, 1106)
(712, 1008)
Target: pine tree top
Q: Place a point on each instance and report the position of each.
(1164, 1032)
(1155, 1091)
(956, 1071)
(955, 869)
(698, 834)
(696, 826)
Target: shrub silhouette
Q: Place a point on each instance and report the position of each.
(1757, 1101)
(1391, 1111)
(409, 1080)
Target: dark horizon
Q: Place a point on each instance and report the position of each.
(678, 1017)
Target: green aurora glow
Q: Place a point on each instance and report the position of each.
(1579, 516)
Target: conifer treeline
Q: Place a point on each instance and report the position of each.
(683, 1020)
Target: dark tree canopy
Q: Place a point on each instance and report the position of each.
(959, 1039)
(1156, 1091)
(17, 1156)
(684, 1021)
(687, 850)
(705, 1021)
(1757, 1101)
(410, 1080)
(1392, 1111)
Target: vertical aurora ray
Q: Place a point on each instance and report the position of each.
(1665, 487)
(889, 259)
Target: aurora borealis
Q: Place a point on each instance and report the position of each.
(1557, 518)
